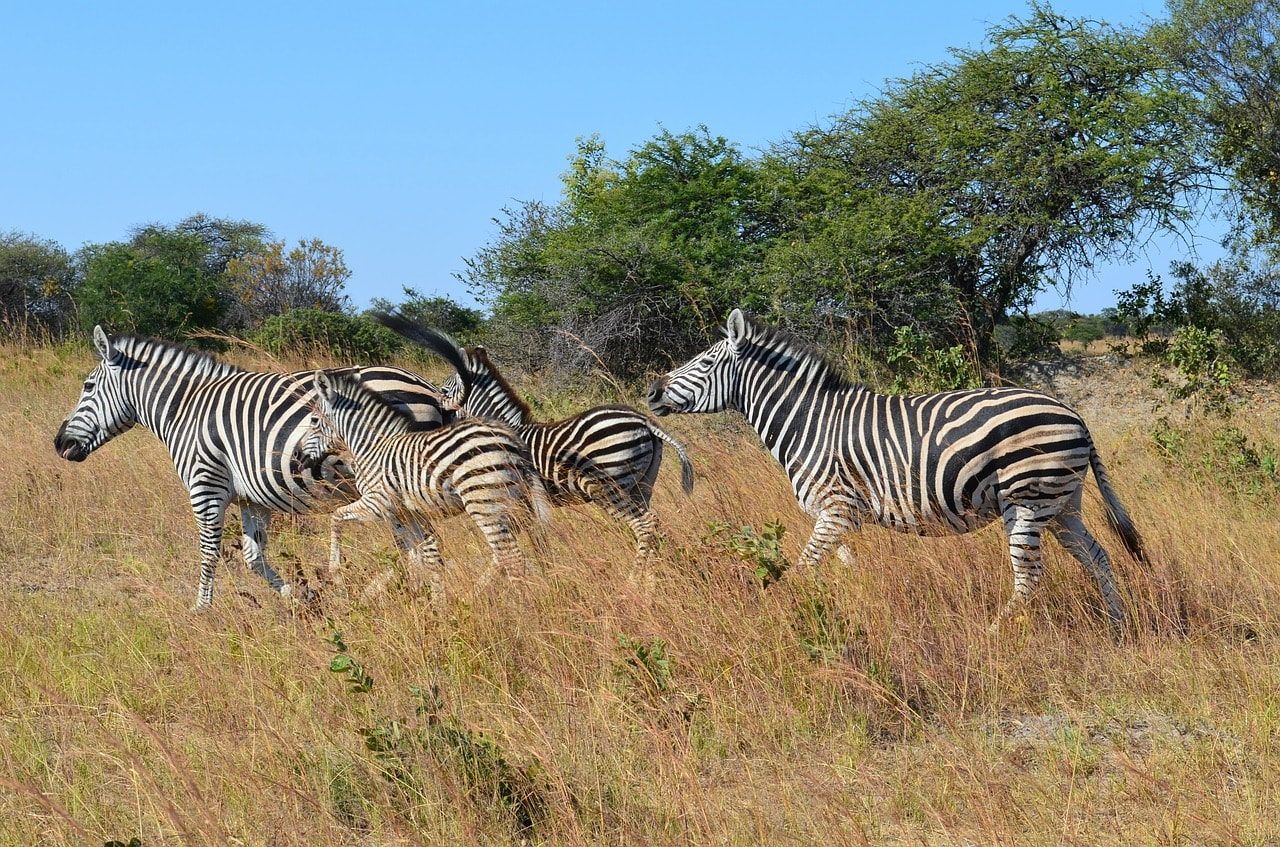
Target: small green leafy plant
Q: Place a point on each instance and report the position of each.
(762, 551)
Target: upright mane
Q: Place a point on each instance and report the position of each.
(137, 351)
(480, 360)
(833, 375)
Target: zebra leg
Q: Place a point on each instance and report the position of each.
(831, 526)
(1023, 528)
(507, 557)
(420, 550)
(1070, 531)
(210, 519)
(257, 520)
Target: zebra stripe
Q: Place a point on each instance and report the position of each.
(929, 464)
(473, 466)
(232, 435)
(608, 455)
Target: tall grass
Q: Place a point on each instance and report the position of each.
(864, 705)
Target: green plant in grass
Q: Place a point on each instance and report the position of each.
(763, 551)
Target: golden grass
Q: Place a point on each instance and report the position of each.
(849, 706)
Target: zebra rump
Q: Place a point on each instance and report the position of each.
(928, 464)
(608, 455)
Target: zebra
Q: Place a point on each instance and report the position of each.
(410, 476)
(607, 455)
(232, 435)
(929, 464)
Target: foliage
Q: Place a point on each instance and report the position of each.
(763, 552)
(343, 336)
(920, 367)
(165, 281)
(1225, 53)
(270, 282)
(460, 323)
(1056, 145)
(638, 258)
(157, 287)
(35, 275)
(1233, 302)
(404, 751)
(1220, 455)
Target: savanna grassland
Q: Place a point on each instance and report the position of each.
(864, 705)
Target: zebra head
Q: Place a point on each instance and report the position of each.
(321, 439)
(707, 382)
(105, 409)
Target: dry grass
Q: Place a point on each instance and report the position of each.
(853, 706)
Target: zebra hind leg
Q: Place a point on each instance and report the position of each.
(507, 556)
(1023, 528)
(1070, 531)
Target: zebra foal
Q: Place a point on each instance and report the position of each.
(232, 435)
(410, 477)
(607, 455)
(929, 464)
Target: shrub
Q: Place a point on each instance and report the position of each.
(343, 336)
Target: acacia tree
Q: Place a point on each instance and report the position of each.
(635, 260)
(1225, 52)
(958, 193)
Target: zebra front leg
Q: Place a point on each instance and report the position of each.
(211, 522)
(1023, 528)
(257, 522)
(828, 530)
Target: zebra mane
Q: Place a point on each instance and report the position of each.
(832, 373)
(138, 350)
(480, 362)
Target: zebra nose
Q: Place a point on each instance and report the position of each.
(654, 394)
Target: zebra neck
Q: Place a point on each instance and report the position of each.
(489, 400)
(784, 409)
(364, 431)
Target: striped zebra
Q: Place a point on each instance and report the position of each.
(232, 435)
(929, 464)
(607, 455)
(411, 476)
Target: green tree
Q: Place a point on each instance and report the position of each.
(35, 274)
(1226, 54)
(159, 287)
(270, 281)
(461, 323)
(952, 198)
(640, 255)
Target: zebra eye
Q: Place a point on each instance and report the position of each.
(89, 386)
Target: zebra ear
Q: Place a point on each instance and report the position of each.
(324, 386)
(102, 344)
(736, 328)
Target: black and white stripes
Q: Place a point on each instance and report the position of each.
(927, 464)
(232, 434)
(472, 465)
(607, 455)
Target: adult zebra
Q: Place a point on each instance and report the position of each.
(607, 455)
(470, 465)
(927, 464)
(232, 435)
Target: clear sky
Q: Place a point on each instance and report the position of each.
(398, 131)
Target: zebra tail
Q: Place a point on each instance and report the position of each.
(686, 467)
(1116, 514)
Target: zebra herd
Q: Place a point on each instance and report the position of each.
(382, 443)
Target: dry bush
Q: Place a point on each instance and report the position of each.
(864, 705)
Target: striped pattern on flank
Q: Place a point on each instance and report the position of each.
(929, 464)
(232, 435)
(474, 466)
(607, 455)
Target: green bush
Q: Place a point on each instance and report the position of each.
(343, 336)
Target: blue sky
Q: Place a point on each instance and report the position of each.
(398, 131)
